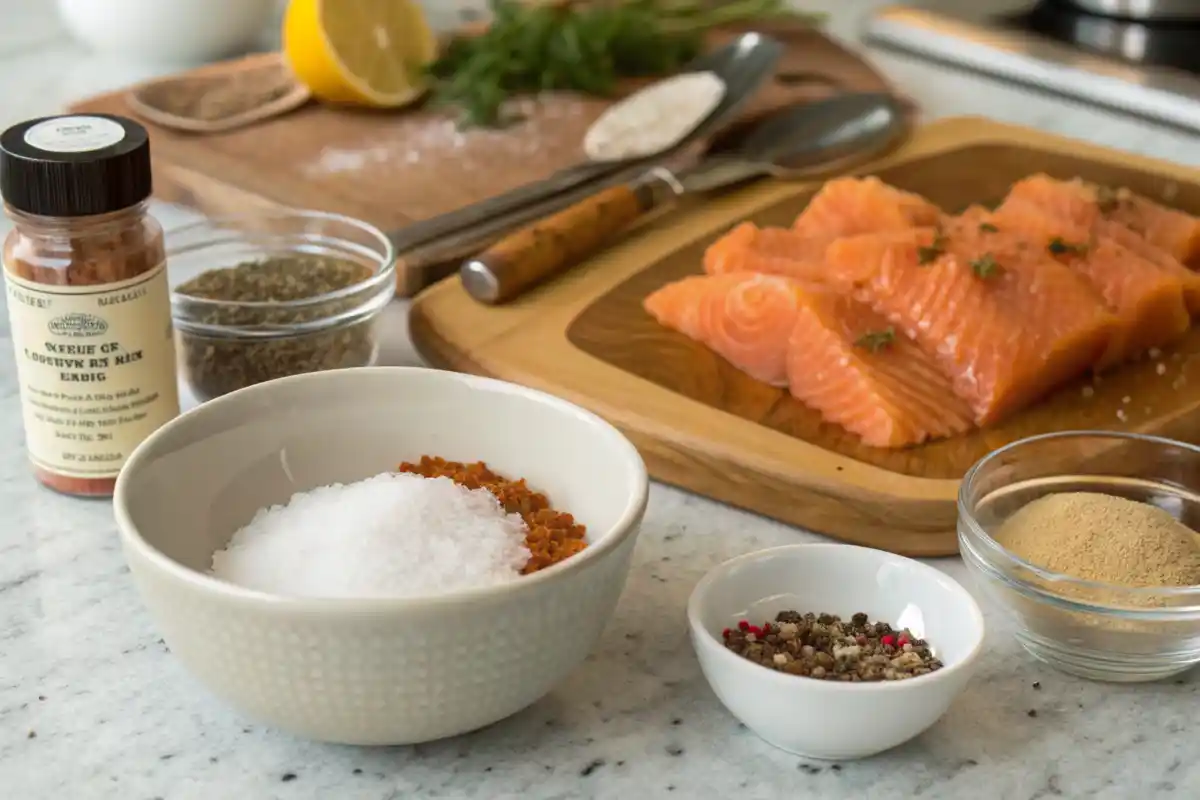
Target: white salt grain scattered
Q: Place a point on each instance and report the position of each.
(427, 141)
(394, 535)
(1160, 368)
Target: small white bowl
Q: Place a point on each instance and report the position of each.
(167, 31)
(375, 671)
(822, 719)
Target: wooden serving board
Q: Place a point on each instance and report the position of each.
(703, 425)
(396, 168)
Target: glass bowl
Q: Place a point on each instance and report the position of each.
(225, 345)
(1099, 631)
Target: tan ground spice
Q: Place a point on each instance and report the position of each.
(1104, 538)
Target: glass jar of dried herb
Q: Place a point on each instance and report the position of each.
(276, 293)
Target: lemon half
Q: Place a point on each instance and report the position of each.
(360, 52)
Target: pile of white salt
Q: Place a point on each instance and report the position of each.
(393, 535)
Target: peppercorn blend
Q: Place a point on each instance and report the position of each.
(88, 299)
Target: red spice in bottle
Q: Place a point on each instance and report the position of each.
(88, 300)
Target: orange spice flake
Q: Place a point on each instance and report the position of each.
(553, 536)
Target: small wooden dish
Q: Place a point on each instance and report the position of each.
(265, 73)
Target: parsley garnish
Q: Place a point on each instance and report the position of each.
(987, 227)
(1058, 247)
(583, 47)
(927, 254)
(985, 266)
(876, 340)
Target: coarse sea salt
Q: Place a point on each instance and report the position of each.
(393, 535)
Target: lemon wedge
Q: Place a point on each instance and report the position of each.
(359, 52)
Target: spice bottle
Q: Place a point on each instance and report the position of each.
(88, 300)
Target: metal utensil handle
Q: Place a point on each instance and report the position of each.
(422, 266)
(444, 225)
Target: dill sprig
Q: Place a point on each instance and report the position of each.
(876, 340)
(584, 47)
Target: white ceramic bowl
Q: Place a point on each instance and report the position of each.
(375, 671)
(167, 31)
(821, 719)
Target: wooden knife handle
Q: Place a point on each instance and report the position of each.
(551, 245)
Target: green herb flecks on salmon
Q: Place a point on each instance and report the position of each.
(1004, 341)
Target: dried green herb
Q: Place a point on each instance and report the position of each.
(987, 227)
(927, 254)
(257, 293)
(1059, 247)
(876, 340)
(985, 266)
(579, 46)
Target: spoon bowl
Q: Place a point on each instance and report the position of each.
(819, 138)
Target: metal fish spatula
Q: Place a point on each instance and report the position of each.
(795, 143)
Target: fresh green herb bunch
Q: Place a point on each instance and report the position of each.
(585, 47)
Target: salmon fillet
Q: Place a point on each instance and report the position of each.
(772, 251)
(744, 317)
(1175, 233)
(843, 207)
(852, 206)
(1006, 322)
(1147, 301)
(847, 363)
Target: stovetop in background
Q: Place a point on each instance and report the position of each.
(1148, 69)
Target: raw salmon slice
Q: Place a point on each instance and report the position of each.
(846, 362)
(852, 206)
(1147, 301)
(772, 251)
(1175, 232)
(745, 317)
(1006, 322)
(1077, 203)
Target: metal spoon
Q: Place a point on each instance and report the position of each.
(795, 143)
(744, 65)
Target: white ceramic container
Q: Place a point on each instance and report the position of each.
(375, 671)
(822, 719)
(167, 31)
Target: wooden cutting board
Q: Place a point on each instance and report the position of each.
(396, 168)
(702, 425)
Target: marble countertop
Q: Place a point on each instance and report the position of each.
(93, 706)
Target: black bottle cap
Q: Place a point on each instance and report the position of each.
(75, 165)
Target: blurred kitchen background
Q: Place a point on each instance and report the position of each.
(1147, 63)
(53, 52)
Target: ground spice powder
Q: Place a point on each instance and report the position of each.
(553, 536)
(1104, 538)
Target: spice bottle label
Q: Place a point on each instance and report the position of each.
(96, 366)
(74, 134)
